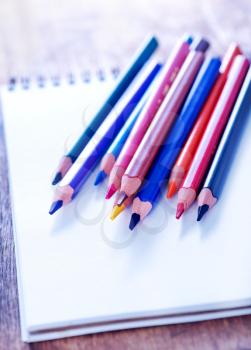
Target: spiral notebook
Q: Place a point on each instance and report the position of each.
(80, 273)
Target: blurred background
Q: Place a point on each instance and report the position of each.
(69, 36)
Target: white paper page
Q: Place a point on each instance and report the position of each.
(79, 267)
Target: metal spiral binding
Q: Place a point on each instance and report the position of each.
(25, 83)
(12, 83)
(55, 80)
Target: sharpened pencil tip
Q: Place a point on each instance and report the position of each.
(135, 218)
(116, 211)
(57, 178)
(172, 189)
(180, 210)
(100, 178)
(55, 206)
(111, 190)
(202, 211)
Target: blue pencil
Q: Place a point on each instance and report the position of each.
(163, 164)
(219, 169)
(112, 153)
(141, 57)
(79, 172)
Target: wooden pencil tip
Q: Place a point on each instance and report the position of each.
(202, 211)
(111, 190)
(57, 178)
(55, 206)
(172, 189)
(65, 164)
(180, 210)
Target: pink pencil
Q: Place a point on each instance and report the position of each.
(168, 75)
(157, 131)
(211, 137)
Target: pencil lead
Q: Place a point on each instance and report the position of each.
(180, 210)
(57, 178)
(117, 209)
(111, 190)
(135, 218)
(172, 189)
(100, 178)
(202, 211)
(55, 206)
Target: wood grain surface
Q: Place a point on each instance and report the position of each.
(60, 37)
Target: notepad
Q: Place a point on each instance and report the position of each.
(80, 273)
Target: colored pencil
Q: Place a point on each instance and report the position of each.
(161, 124)
(159, 172)
(79, 172)
(209, 142)
(168, 75)
(120, 204)
(114, 150)
(219, 169)
(139, 60)
(187, 153)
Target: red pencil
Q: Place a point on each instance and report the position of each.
(211, 137)
(186, 156)
(168, 75)
(161, 124)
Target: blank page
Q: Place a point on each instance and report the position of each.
(77, 266)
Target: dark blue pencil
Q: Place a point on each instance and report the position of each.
(163, 164)
(219, 169)
(141, 57)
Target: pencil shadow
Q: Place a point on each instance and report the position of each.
(120, 237)
(63, 219)
(209, 222)
(188, 222)
(79, 209)
(148, 236)
(207, 226)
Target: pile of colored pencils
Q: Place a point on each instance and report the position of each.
(175, 125)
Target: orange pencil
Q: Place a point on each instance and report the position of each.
(186, 156)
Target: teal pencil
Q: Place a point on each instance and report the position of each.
(126, 79)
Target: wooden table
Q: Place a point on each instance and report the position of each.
(60, 36)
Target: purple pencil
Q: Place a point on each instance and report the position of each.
(94, 151)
